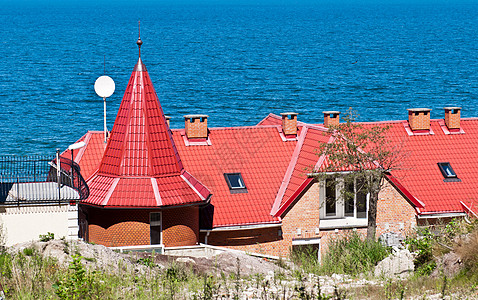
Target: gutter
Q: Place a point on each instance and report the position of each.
(469, 209)
(241, 227)
(441, 215)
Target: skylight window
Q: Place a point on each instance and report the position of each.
(235, 182)
(447, 172)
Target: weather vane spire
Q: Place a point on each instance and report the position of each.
(139, 42)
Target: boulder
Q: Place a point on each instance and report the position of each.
(397, 265)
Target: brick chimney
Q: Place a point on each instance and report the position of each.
(331, 118)
(196, 126)
(289, 123)
(167, 120)
(419, 118)
(452, 117)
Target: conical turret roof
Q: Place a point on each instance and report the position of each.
(141, 166)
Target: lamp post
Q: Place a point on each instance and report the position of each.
(72, 148)
(104, 87)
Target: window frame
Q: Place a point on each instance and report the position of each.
(340, 202)
(444, 166)
(236, 190)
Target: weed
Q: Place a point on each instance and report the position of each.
(90, 259)
(66, 246)
(237, 279)
(29, 251)
(444, 286)
(47, 237)
(149, 262)
(209, 290)
(352, 255)
(422, 243)
(78, 284)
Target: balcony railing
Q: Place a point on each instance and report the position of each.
(26, 180)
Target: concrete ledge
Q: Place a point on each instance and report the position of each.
(142, 248)
(200, 250)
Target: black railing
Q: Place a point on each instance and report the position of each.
(37, 180)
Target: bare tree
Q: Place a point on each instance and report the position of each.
(366, 155)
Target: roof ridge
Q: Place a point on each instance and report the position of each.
(289, 172)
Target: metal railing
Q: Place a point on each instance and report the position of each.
(28, 180)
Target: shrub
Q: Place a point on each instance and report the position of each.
(352, 255)
(78, 284)
(47, 237)
(467, 249)
(422, 244)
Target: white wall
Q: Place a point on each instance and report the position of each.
(26, 223)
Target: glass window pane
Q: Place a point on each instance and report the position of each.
(361, 199)
(330, 197)
(349, 194)
(235, 181)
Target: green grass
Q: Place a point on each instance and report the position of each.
(349, 254)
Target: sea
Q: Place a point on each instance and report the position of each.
(236, 62)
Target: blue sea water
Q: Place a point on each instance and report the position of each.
(236, 63)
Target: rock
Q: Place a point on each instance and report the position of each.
(449, 265)
(186, 260)
(399, 264)
(391, 239)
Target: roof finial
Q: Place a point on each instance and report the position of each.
(139, 42)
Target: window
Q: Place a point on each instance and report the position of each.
(330, 198)
(235, 182)
(344, 198)
(448, 173)
(155, 228)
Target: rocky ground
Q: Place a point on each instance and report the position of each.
(260, 277)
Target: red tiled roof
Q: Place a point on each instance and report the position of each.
(419, 172)
(275, 171)
(140, 166)
(258, 153)
(304, 161)
(140, 143)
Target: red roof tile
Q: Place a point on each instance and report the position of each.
(140, 166)
(420, 174)
(303, 162)
(258, 153)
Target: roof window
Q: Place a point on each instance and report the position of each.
(235, 183)
(448, 173)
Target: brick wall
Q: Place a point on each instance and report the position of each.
(118, 227)
(289, 126)
(452, 120)
(394, 214)
(419, 120)
(264, 241)
(196, 128)
(114, 228)
(181, 226)
(304, 215)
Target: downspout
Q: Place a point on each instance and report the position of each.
(205, 238)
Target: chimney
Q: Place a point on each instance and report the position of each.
(196, 126)
(289, 123)
(452, 117)
(331, 118)
(419, 118)
(167, 120)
